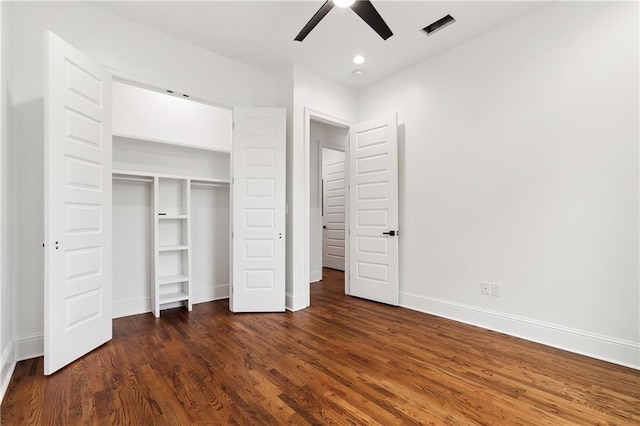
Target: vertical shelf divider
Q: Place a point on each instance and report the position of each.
(155, 295)
(172, 243)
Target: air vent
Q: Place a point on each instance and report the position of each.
(438, 25)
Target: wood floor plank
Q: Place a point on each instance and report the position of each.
(344, 360)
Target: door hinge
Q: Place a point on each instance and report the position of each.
(232, 235)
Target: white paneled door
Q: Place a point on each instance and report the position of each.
(77, 305)
(258, 162)
(373, 210)
(333, 201)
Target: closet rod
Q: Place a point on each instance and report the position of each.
(133, 179)
(210, 184)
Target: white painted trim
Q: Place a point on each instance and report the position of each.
(125, 308)
(7, 367)
(295, 303)
(617, 351)
(30, 346)
(310, 113)
(210, 294)
(334, 147)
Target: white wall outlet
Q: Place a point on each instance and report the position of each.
(495, 289)
(485, 287)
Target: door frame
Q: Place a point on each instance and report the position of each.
(322, 117)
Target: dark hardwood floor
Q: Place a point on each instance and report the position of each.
(342, 361)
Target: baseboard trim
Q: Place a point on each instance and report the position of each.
(315, 276)
(295, 303)
(605, 348)
(7, 367)
(125, 308)
(210, 294)
(31, 346)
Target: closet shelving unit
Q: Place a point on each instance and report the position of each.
(171, 236)
(172, 241)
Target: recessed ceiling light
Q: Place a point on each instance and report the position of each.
(358, 59)
(343, 3)
(358, 72)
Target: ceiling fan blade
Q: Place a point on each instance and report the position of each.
(315, 19)
(369, 14)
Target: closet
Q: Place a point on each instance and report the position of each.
(145, 207)
(171, 174)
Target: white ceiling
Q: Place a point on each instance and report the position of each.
(261, 33)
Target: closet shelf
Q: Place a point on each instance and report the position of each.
(169, 142)
(123, 174)
(173, 297)
(173, 248)
(172, 279)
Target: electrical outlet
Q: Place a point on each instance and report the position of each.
(485, 287)
(495, 289)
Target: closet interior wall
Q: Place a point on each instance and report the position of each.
(138, 160)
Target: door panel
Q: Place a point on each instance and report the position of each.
(333, 175)
(258, 205)
(373, 209)
(77, 205)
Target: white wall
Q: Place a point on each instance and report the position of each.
(285, 100)
(519, 165)
(7, 359)
(121, 45)
(132, 250)
(313, 92)
(161, 117)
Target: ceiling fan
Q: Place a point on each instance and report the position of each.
(363, 8)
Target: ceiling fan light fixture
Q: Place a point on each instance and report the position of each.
(358, 59)
(343, 3)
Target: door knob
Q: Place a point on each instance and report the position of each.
(390, 233)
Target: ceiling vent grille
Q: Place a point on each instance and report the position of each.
(438, 25)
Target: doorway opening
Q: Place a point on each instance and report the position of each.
(328, 195)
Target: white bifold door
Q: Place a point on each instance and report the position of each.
(77, 256)
(373, 210)
(258, 196)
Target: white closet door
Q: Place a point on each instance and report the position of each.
(258, 161)
(373, 210)
(333, 194)
(77, 303)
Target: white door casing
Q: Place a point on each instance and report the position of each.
(373, 210)
(334, 195)
(258, 196)
(77, 257)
